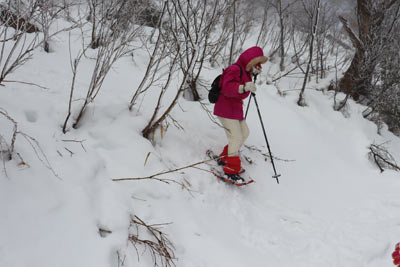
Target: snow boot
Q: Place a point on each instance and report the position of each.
(222, 157)
(232, 165)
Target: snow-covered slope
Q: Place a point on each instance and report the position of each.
(331, 208)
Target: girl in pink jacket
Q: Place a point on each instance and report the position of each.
(236, 85)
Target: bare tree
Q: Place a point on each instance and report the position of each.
(184, 53)
(19, 14)
(267, 26)
(74, 68)
(233, 38)
(19, 33)
(154, 61)
(92, 18)
(49, 10)
(282, 10)
(314, 18)
(115, 36)
(372, 77)
(203, 25)
(190, 41)
(221, 40)
(154, 122)
(282, 33)
(18, 43)
(368, 42)
(326, 24)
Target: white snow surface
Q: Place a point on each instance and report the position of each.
(332, 207)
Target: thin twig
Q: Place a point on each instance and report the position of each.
(28, 83)
(39, 152)
(15, 131)
(253, 148)
(162, 173)
(76, 141)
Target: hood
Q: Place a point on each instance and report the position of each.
(251, 57)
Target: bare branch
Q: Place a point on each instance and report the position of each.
(27, 83)
(382, 158)
(160, 247)
(39, 152)
(353, 37)
(10, 149)
(162, 173)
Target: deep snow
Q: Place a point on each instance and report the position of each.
(331, 208)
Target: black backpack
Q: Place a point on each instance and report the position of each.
(213, 94)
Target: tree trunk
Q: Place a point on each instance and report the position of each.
(301, 100)
(233, 42)
(357, 78)
(282, 38)
(349, 83)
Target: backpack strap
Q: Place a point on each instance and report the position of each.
(241, 71)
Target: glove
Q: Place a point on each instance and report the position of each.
(249, 86)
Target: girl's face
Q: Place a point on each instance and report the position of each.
(255, 70)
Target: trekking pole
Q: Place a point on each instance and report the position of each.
(276, 176)
(248, 104)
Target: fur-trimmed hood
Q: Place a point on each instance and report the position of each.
(230, 102)
(251, 57)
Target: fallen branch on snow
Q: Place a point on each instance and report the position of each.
(160, 247)
(167, 181)
(382, 158)
(266, 156)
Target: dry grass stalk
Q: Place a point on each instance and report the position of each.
(160, 247)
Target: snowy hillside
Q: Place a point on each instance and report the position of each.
(332, 207)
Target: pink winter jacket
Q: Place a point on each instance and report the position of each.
(230, 103)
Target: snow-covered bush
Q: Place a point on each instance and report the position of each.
(19, 37)
(112, 37)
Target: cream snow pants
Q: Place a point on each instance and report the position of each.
(236, 132)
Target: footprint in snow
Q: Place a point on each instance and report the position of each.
(31, 115)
